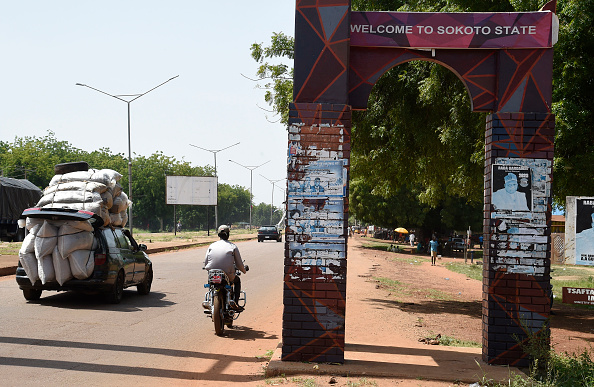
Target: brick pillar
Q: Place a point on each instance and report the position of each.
(517, 256)
(314, 295)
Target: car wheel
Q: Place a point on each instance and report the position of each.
(144, 287)
(115, 296)
(32, 294)
(60, 169)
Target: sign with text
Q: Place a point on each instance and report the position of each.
(454, 30)
(192, 190)
(582, 296)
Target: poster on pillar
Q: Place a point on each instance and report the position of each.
(584, 231)
(519, 197)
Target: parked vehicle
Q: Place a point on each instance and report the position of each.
(217, 300)
(16, 195)
(119, 261)
(269, 232)
(457, 244)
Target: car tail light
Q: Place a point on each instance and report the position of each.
(100, 259)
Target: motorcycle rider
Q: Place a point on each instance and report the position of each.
(224, 255)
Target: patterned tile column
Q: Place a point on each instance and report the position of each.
(517, 229)
(316, 238)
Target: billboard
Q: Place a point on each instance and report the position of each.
(192, 190)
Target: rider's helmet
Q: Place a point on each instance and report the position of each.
(223, 231)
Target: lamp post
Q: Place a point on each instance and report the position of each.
(272, 199)
(251, 169)
(214, 152)
(132, 97)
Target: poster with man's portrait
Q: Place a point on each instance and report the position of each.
(511, 187)
(584, 231)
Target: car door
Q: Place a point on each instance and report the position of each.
(126, 253)
(139, 258)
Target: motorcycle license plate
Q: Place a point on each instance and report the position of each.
(216, 279)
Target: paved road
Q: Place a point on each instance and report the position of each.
(160, 339)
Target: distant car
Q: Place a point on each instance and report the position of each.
(270, 233)
(120, 262)
(457, 244)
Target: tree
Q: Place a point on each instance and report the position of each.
(278, 77)
(419, 136)
(37, 156)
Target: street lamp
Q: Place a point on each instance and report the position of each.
(214, 152)
(272, 199)
(251, 180)
(133, 97)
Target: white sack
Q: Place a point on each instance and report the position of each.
(45, 267)
(107, 199)
(68, 243)
(69, 197)
(116, 219)
(61, 267)
(120, 203)
(82, 263)
(74, 226)
(89, 186)
(105, 176)
(28, 245)
(116, 190)
(33, 225)
(124, 218)
(29, 263)
(46, 239)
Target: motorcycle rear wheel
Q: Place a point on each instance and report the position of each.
(217, 315)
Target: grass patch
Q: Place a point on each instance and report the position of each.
(471, 271)
(267, 355)
(454, 342)
(10, 248)
(362, 382)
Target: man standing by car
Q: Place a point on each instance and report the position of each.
(224, 255)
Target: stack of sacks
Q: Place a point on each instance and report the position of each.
(118, 216)
(58, 250)
(96, 191)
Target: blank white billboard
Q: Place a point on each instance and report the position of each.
(192, 190)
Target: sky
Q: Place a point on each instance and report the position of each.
(131, 46)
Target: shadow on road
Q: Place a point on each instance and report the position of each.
(131, 301)
(211, 374)
(242, 333)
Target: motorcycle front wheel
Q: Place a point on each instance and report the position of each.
(217, 315)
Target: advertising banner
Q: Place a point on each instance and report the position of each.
(454, 30)
(584, 231)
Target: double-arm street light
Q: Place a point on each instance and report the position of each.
(214, 152)
(251, 169)
(272, 199)
(128, 98)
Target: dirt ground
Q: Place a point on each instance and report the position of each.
(439, 301)
(419, 301)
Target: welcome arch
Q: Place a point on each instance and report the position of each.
(505, 61)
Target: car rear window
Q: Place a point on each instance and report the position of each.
(268, 228)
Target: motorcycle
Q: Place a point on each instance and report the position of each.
(218, 299)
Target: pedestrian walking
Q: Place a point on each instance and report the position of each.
(433, 244)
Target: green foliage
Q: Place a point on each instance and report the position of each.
(418, 139)
(34, 158)
(261, 215)
(277, 78)
(573, 96)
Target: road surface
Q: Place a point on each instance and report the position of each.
(160, 339)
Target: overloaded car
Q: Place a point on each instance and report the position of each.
(118, 261)
(269, 233)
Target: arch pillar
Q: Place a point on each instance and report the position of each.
(517, 252)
